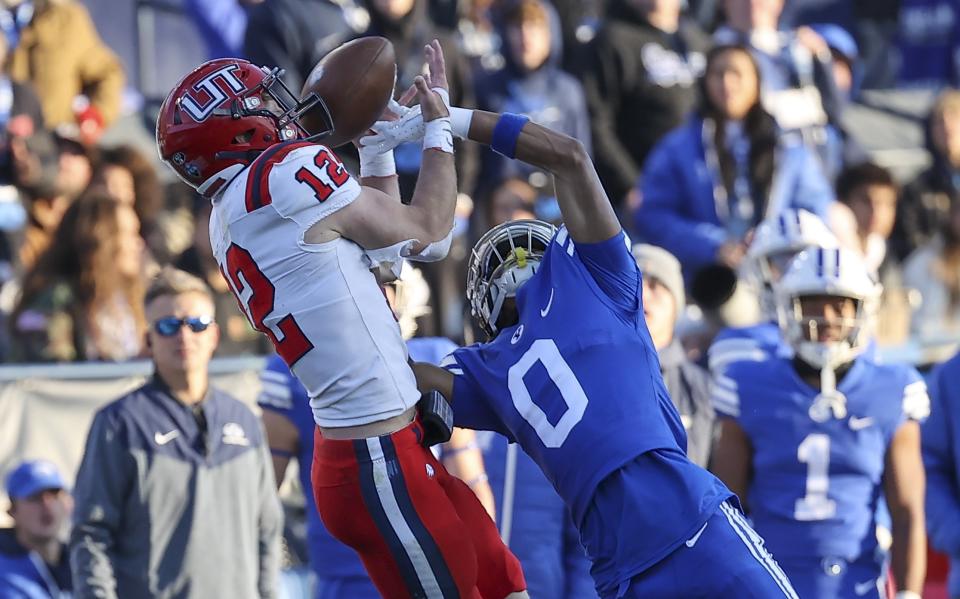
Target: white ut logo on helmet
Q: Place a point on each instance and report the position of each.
(209, 85)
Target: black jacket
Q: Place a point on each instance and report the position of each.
(280, 34)
(639, 83)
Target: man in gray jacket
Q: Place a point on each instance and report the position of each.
(175, 495)
(688, 383)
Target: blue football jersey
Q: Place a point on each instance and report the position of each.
(753, 344)
(577, 384)
(816, 479)
(756, 343)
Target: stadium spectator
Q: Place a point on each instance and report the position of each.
(83, 299)
(131, 178)
(871, 194)
(55, 46)
(294, 35)
(933, 270)
(76, 162)
(639, 76)
(839, 148)
(530, 83)
(236, 334)
(798, 86)
(941, 459)
(928, 199)
(812, 442)
(513, 199)
(175, 493)
(688, 383)
(34, 562)
(36, 163)
(709, 182)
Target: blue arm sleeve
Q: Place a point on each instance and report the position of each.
(942, 502)
(614, 269)
(470, 407)
(659, 219)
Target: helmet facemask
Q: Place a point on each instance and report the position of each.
(272, 99)
(503, 260)
(827, 303)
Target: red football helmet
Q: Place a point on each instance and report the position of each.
(223, 114)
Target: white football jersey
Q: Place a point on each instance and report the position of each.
(318, 303)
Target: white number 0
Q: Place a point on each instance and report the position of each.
(545, 351)
(814, 451)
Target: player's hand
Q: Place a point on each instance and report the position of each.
(432, 88)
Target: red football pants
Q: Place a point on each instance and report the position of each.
(420, 532)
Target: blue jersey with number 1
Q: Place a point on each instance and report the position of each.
(577, 384)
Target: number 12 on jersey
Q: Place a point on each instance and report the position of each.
(244, 274)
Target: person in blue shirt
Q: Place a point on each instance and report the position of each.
(775, 243)
(811, 443)
(530, 82)
(34, 563)
(709, 182)
(571, 374)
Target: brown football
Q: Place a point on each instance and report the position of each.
(356, 82)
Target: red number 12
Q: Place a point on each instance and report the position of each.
(294, 344)
(325, 161)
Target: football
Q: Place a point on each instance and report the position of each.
(356, 82)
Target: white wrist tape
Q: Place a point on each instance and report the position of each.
(460, 119)
(376, 164)
(907, 595)
(444, 95)
(437, 135)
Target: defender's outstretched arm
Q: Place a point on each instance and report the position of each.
(586, 210)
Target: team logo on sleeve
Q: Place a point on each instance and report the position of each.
(210, 94)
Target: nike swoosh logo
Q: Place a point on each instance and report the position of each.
(862, 588)
(860, 423)
(164, 438)
(693, 540)
(546, 310)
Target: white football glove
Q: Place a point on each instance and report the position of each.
(408, 128)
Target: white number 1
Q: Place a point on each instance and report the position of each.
(814, 451)
(546, 352)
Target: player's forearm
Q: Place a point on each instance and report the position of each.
(435, 195)
(555, 152)
(909, 551)
(388, 185)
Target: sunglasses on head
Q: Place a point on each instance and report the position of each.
(170, 325)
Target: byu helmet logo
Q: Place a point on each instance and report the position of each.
(212, 89)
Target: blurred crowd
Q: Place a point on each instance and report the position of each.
(705, 119)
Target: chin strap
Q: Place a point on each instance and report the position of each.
(828, 387)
